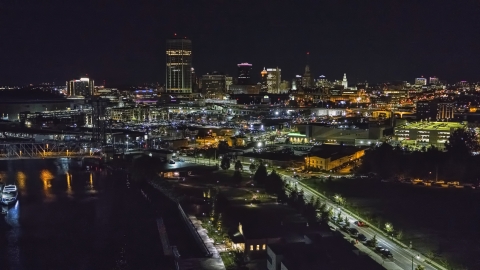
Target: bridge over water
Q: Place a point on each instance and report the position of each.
(14, 150)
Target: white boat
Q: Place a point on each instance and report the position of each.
(9, 194)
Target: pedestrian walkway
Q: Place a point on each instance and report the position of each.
(213, 263)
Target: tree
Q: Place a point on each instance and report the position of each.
(420, 267)
(238, 165)
(462, 142)
(260, 176)
(252, 167)
(225, 164)
(274, 184)
(374, 241)
(222, 147)
(237, 177)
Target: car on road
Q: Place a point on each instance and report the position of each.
(379, 249)
(386, 253)
(362, 238)
(360, 223)
(353, 231)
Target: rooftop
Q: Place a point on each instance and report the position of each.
(333, 151)
(447, 126)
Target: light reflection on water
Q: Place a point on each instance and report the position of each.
(69, 184)
(46, 176)
(21, 177)
(42, 186)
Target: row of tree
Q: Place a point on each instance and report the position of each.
(458, 163)
(274, 185)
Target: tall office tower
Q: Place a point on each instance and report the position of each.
(179, 66)
(344, 81)
(244, 70)
(213, 83)
(228, 82)
(83, 87)
(194, 81)
(434, 80)
(307, 81)
(297, 82)
(273, 80)
(264, 74)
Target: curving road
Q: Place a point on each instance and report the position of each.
(403, 258)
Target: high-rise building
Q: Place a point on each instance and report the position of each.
(434, 80)
(297, 82)
(213, 83)
(307, 81)
(264, 82)
(179, 66)
(421, 81)
(344, 81)
(228, 82)
(434, 110)
(83, 87)
(244, 70)
(273, 80)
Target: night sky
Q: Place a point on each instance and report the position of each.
(123, 41)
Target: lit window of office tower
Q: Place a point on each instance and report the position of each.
(83, 87)
(273, 80)
(244, 70)
(179, 66)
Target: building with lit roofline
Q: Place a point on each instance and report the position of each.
(274, 80)
(244, 70)
(179, 66)
(80, 88)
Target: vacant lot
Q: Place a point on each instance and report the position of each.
(439, 221)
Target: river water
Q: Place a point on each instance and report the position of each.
(68, 218)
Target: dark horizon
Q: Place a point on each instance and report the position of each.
(124, 43)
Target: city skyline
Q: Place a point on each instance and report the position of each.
(375, 42)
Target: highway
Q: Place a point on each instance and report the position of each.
(403, 257)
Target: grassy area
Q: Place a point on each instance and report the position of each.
(441, 223)
(228, 260)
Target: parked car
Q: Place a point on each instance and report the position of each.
(386, 253)
(379, 249)
(353, 231)
(362, 238)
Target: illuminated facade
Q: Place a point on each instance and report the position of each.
(273, 80)
(179, 66)
(307, 81)
(420, 81)
(344, 81)
(83, 87)
(244, 70)
(213, 83)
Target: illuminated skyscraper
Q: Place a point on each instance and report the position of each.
(273, 80)
(83, 87)
(344, 81)
(179, 66)
(244, 70)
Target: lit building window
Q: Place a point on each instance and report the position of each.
(258, 247)
(264, 247)
(251, 247)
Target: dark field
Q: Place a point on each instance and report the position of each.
(440, 222)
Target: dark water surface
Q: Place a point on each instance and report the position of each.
(68, 218)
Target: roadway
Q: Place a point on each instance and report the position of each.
(403, 257)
